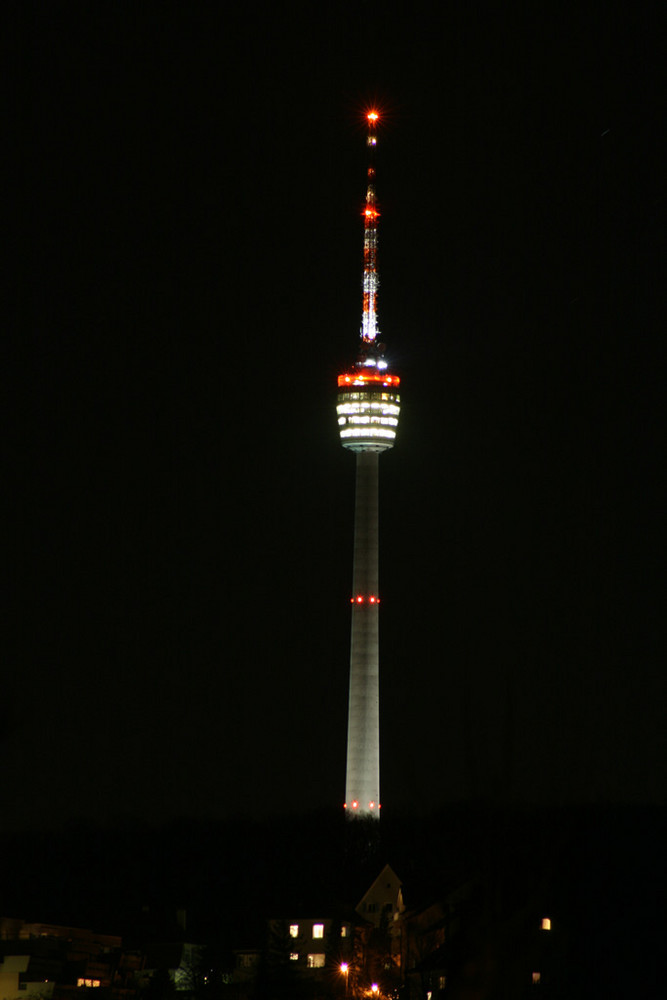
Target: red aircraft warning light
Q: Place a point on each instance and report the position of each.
(368, 378)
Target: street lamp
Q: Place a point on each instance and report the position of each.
(345, 970)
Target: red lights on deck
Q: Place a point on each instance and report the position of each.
(355, 805)
(368, 378)
(361, 599)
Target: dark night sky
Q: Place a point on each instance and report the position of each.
(187, 286)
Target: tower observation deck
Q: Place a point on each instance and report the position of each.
(368, 408)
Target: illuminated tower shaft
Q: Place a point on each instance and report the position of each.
(368, 410)
(362, 784)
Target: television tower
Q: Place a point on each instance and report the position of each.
(368, 407)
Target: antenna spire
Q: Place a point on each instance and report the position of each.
(369, 330)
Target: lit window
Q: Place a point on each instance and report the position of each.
(343, 930)
(537, 976)
(442, 982)
(293, 930)
(318, 930)
(546, 923)
(316, 961)
(80, 982)
(294, 956)
(375, 432)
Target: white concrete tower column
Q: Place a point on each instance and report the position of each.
(362, 784)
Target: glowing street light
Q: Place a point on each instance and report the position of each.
(345, 970)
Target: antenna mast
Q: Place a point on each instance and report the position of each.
(369, 330)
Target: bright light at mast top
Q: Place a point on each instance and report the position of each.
(369, 328)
